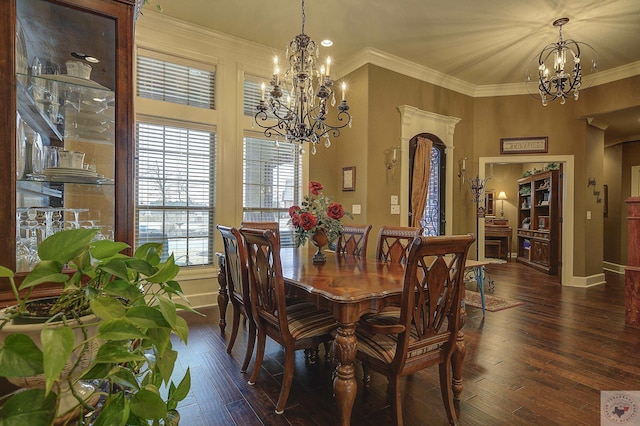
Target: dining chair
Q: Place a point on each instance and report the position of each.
(353, 240)
(237, 276)
(273, 226)
(424, 332)
(297, 326)
(394, 243)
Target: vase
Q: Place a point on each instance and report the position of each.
(320, 240)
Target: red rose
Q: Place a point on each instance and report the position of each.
(315, 187)
(307, 221)
(295, 220)
(335, 211)
(293, 210)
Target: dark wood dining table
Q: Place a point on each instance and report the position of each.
(349, 287)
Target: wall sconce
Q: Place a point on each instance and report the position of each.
(462, 169)
(392, 157)
(502, 196)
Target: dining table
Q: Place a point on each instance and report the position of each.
(350, 287)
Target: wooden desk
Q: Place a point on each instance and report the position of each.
(503, 233)
(350, 287)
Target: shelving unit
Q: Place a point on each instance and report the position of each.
(539, 208)
(48, 107)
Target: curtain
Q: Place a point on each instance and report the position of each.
(420, 179)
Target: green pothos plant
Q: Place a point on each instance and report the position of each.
(133, 303)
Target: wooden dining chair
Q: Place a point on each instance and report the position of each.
(297, 326)
(237, 276)
(394, 243)
(353, 240)
(424, 332)
(273, 226)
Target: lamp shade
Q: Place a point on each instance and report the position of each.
(502, 196)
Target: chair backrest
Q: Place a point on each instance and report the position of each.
(353, 240)
(273, 226)
(265, 279)
(431, 298)
(394, 243)
(236, 270)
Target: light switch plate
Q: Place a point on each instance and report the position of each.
(395, 209)
(394, 199)
(355, 209)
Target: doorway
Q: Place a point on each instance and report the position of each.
(566, 275)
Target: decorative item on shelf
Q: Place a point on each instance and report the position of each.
(553, 80)
(318, 219)
(592, 182)
(527, 173)
(502, 196)
(526, 223)
(303, 116)
(525, 190)
(552, 166)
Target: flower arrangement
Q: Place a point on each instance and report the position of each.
(317, 214)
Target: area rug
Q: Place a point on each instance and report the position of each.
(491, 303)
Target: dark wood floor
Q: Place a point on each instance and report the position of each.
(542, 363)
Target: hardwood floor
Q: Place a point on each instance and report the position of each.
(542, 363)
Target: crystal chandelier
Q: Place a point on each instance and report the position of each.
(555, 81)
(296, 108)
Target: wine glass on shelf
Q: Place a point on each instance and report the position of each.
(32, 236)
(23, 255)
(75, 223)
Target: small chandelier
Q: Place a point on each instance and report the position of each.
(296, 110)
(555, 81)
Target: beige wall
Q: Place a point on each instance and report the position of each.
(614, 224)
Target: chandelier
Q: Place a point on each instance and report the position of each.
(296, 108)
(556, 78)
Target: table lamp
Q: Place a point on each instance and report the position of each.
(502, 196)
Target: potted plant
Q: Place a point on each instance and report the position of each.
(110, 327)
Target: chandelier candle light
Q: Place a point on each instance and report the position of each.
(554, 80)
(295, 109)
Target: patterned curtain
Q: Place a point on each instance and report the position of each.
(420, 182)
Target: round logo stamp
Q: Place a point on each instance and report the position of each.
(621, 409)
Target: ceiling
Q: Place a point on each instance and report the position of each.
(489, 42)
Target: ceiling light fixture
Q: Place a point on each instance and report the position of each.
(296, 110)
(554, 80)
(326, 43)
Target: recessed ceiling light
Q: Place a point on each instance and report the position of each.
(326, 43)
(85, 57)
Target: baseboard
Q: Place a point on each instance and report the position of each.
(590, 281)
(613, 267)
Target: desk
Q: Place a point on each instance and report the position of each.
(503, 233)
(350, 287)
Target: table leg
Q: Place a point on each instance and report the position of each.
(344, 382)
(223, 295)
(478, 272)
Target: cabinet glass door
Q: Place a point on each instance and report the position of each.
(65, 123)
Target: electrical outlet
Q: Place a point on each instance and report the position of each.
(394, 199)
(395, 209)
(355, 209)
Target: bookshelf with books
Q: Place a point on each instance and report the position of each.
(539, 210)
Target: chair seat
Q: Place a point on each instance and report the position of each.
(305, 320)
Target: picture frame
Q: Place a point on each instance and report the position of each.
(527, 145)
(349, 178)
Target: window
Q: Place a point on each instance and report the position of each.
(171, 82)
(175, 194)
(433, 217)
(253, 94)
(272, 180)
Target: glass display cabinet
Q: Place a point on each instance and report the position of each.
(67, 125)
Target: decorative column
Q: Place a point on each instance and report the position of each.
(632, 272)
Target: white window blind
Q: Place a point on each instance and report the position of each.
(175, 178)
(272, 182)
(162, 80)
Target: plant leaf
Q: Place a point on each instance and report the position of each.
(44, 271)
(147, 317)
(182, 329)
(116, 267)
(20, 357)
(168, 309)
(57, 345)
(161, 338)
(141, 266)
(119, 329)
(165, 364)
(115, 411)
(65, 246)
(114, 352)
(167, 272)
(149, 252)
(124, 377)
(107, 308)
(6, 272)
(98, 371)
(103, 249)
(30, 407)
(122, 288)
(183, 388)
(148, 405)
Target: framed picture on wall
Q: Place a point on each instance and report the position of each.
(349, 178)
(529, 145)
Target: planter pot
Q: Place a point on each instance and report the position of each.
(320, 241)
(32, 327)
